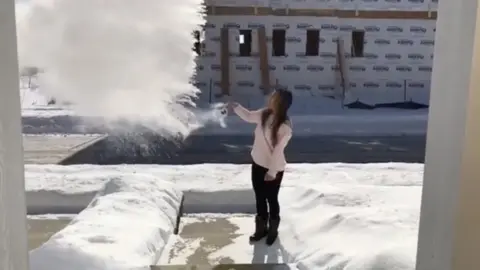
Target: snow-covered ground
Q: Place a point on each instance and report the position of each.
(35, 104)
(124, 227)
(349, 122)
(335, 216)
(38, 117)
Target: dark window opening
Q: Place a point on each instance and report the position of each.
(278, 42)
(245, 42)
(313, 40)
(197, 45)
(358, 41)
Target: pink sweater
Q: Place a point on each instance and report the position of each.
(263, 152)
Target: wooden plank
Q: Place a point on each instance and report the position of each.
(243, 11)
(263, 60)
(312, 12)
(225, 62)
(386, 14)
(179, 217)
(342, 67)
(353, 14)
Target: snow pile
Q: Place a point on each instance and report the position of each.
(69, 189)
(115, 59)
(125, 227)
(64, 189)
(366, 220)
(334, 216)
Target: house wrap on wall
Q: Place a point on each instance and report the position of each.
(386, 47)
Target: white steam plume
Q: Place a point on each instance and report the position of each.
(116, 59)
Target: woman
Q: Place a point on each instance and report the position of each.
(272, 133)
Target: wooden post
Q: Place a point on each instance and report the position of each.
(263, 55)
(13, 228)
(342, 68)
(449, 234)
(225, 61)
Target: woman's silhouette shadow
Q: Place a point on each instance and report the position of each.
(263, 254)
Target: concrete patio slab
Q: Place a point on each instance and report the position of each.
(217, 240)
(52, 149)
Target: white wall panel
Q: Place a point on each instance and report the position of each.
(397, 54)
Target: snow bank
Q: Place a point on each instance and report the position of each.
(334, 216)
(366, 222)
(56, 189)
(61, 189)
(126, 226)
(219, 188)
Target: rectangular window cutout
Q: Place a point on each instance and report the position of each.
(313, 42)
(358, 40)
(278, 42)
(245, 43)
(197, 45)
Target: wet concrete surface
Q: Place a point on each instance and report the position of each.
(215, 234)
(220, 240)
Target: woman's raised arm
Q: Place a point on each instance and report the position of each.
(245, 114)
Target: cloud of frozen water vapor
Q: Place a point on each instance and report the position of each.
(116, 59)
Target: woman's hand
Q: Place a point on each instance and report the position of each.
(232, 105)
(268, 177)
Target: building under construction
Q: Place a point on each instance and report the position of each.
(370, 50)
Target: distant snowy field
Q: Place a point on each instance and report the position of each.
(39, 117)
(335, 216)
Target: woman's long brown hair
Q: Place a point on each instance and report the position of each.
(279, 118)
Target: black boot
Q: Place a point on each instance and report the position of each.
(260, 229)
(272, 231)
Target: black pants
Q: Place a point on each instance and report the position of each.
(266, 192)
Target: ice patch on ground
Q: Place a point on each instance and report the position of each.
(126, 226)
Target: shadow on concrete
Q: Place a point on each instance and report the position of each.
(41, 202)
(220, 202)
(265, 254)
(224, 267)
(404, 105)
(197, 149)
